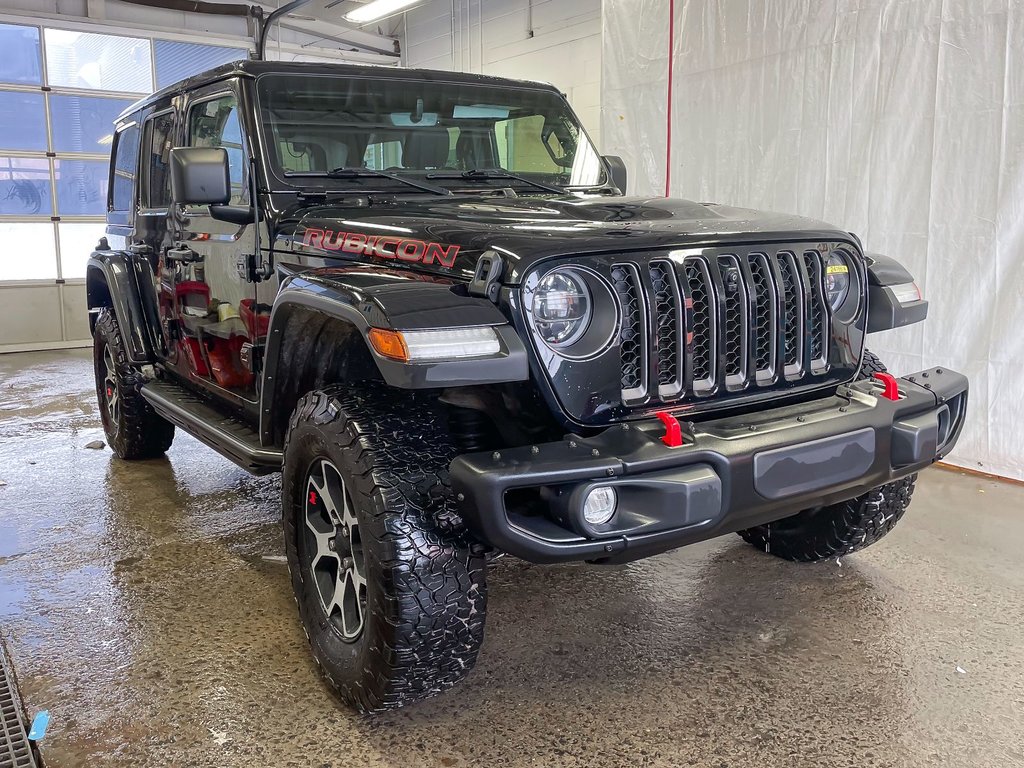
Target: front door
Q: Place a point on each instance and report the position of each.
(210, 304)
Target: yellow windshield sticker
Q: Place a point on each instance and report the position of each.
(837, 269)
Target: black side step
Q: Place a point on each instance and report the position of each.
(230, 437)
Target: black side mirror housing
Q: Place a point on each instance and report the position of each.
(617, 171)
(200, 176)
(235, 214)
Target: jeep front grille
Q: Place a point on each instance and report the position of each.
(705, 324)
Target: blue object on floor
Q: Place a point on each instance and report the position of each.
(39, 723)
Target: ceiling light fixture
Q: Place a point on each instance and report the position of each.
(377, 9)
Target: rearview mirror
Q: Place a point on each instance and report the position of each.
(200, 176)
(617, 171)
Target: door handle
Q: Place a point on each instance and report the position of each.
(182, 255)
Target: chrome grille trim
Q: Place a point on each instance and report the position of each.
(817, 312)
(791, 290)
(764, 327)
(632, 332)
(667, 322)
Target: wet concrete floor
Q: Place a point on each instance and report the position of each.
(145, 605)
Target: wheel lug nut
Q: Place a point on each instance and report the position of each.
(332, 545)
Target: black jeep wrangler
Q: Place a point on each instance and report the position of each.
(422, 297)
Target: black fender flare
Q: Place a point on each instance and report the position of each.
(885, 311)
(393, 301)
(110, 281)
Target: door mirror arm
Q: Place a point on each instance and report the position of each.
(236, 214)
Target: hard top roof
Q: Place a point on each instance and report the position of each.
(252, 68)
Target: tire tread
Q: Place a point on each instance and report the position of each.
(142, 434)
(838, 529)
(435, 588)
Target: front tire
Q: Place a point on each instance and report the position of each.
(837, 529)
(133, 428)
(391, 590)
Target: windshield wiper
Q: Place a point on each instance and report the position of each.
(370, 173)
(497, 173)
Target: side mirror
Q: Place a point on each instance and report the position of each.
(200, 176)
(617, 171)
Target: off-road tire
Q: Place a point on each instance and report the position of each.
(134, 431)
(838, 529)
(871, 365)
(425, 586)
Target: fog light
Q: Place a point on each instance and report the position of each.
(599, 505)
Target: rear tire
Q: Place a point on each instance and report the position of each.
(391, 589)
(133, 428)
(838, 529)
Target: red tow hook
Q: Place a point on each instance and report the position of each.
(892, 389)
(673, 436)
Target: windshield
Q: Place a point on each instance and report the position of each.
(318, 125)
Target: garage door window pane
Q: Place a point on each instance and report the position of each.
(176, 61)
(84, 123)
(81, 187)
(19, 263)
(22, 121)
(77, 240)
(25, 186)
(103, 62)
(20, 62)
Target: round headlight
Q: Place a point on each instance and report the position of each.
(561, 307)
(837, 281)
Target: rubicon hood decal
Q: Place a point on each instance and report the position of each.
(382, 247)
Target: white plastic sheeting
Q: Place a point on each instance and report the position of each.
(900, 120)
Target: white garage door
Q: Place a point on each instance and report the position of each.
(60, 91)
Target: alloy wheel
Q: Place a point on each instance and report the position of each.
(111, 393)
(332, 533)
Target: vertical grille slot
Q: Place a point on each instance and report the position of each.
(735, 323)
(632, 333)
(791, 288)
(702, 330)
(817, 313)
(763, 325)
(667, 318)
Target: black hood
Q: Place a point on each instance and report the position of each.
(528, 230)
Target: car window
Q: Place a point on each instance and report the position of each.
(159, 138)
(215, 123)
(383, 153)
(126, 161)
(524, 144)
(315, 123)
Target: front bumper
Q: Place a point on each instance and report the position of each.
(730, 474)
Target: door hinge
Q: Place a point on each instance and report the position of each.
(486, 280)
(182, 254)
(251, 356)
(251, 269)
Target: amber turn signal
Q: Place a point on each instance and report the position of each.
(389, 344)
